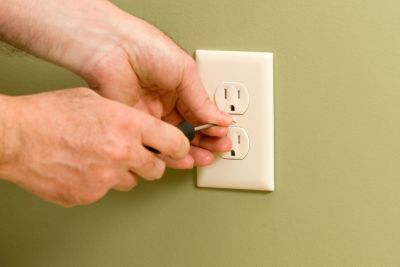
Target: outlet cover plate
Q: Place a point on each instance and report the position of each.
(255, 71)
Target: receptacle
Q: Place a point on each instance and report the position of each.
(241, 83)
(232, 97)
(240, 144)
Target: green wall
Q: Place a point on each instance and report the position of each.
(337, 198)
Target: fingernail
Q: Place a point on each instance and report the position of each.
(189, 162)
(206, 160)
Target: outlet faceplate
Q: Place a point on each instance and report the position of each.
(251, 165)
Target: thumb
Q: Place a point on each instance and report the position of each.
(192, 93)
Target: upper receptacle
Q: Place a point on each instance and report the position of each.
(232, 97)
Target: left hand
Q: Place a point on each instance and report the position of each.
(123, 58)
(153, 74)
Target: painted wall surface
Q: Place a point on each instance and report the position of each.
(337, 198)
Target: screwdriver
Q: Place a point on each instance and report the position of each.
(188, 130)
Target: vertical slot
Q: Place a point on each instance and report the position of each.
(239, 139)
(239, 94)
(226, 93)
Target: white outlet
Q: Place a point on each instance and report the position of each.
(241, 83)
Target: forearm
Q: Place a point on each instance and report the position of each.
(9, 137)
(64, 32)
(23, 24)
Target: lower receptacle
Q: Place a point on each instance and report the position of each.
(240, 144)
(246, 79)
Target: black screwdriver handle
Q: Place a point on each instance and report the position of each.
(186, 128)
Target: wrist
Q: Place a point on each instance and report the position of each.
(9, 135)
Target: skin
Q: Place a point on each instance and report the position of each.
(71, 146)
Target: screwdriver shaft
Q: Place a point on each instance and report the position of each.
(202, 127)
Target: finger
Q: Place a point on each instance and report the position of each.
(185, 163)
(201, 140)
(164, 137)
(192, 93)
(217, 131)
(202, 157)
(175, 118)
(213, 144)
(147, 164)
(127, 181)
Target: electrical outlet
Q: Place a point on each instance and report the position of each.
(241, 83)
(232, 97)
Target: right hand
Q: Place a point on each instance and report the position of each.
(74, 145)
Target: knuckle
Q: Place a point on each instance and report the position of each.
(126, 185)
(63, 196)
(121, 153)
(84, 190)
(65, 201)
(89, 198)
(159, 172)
(117, 152)
(153, 168)
(103, 179)
(69, 198)
(124, 121)
(178, 146)
(147, 163)
(175, 143)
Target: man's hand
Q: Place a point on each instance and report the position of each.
(124, 58)
(71, 146)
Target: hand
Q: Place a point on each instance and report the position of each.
(124, 58)
(71, 146)
(156, 76)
